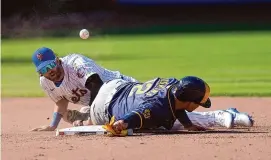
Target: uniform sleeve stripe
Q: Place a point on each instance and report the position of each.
(141, 122)
(170, 106)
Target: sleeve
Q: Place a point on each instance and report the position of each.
(52, 94)
(133, 119)
(54, 97)
(145, 116)
(129, 79)
(153, 115)
(86, 67)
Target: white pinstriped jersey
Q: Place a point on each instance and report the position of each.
(77, 69)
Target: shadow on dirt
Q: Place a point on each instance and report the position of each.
(163, 132)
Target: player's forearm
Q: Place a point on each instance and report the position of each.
(73, 115)
(183, 118)
(55, 121)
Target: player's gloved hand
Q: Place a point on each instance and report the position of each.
(116, 128)
(44, 128)
(195, 128)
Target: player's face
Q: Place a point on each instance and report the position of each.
(191, 106)
(54, 71)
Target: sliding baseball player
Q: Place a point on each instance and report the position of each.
(77, 79)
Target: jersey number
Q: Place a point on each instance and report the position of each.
(143, 88)
(78, 93)
(147, 89)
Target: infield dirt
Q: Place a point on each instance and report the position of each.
(19, 115)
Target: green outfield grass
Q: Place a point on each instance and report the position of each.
(234, 64)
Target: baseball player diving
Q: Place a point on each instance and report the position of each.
(157, 103)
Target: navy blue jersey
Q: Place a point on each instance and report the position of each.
(150, 101)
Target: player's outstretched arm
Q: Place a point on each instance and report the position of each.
(60, 109)
(92, 66)
(136, 119)
(72, 116)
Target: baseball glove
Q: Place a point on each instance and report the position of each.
(111, 132)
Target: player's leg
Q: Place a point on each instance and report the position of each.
(212, 118)
(241, 118)
(99, 107)
(223, 118)
(207, 119)
(98, 110)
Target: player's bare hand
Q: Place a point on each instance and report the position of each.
(196, 128)
(119, 126)
(44, 128)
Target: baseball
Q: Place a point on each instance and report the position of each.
(84, 34)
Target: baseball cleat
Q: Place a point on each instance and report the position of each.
(232, 110)
(241, 119)
(223, 118)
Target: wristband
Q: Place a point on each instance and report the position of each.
(56, 119)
